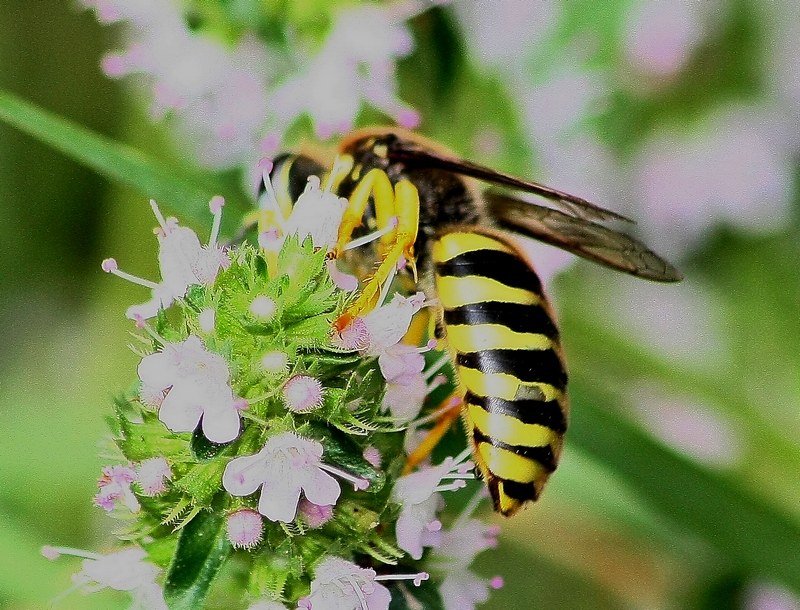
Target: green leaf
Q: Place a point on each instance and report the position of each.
(181, 190)
(202, 550)
(745, 531)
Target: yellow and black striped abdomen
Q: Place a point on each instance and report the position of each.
(504, 341)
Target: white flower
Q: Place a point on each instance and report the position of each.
(461, 588)
(183, 262)
(417, 525)
(197, 384)
(355, 65)
(342, 585)
(405, 396)
(387, 325)
(460, 544)
(400, 361)
(124, 570)
(287, 465)
(316, 213)
(464, 589)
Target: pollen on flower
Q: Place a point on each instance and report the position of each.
(152, 476)
(302, 393)
(244, 528)
(275, 362)
(354, 336)
(263, 308)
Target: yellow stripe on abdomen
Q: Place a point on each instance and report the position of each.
(455, 244)
(503, 385)
(506, 464)
(457, 291)
(508, 429)
(476, 337)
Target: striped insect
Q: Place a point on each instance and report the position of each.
(498, 324)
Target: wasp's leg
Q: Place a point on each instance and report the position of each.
(375, 183)
(404, 205)
(449, 410)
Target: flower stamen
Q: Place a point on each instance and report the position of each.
(215, 205)
(109, 265)
(375, 235)
(359, 484)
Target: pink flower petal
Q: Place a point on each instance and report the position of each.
(156, 371)
(244, 475)
(321, 488)
(178, 414)
(221, 425)
(279, 500)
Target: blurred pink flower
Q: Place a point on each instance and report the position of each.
(770, 597)
(693, 428)
(503, 32)
(734, 168)
(660, 36)
(355, 66)
(235, 102)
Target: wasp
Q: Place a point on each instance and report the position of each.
(497, 322)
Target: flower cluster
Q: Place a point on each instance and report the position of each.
(282, 440)
(236, 97)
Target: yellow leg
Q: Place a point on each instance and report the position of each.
(375, 183)
(436, 433)
(404, 204)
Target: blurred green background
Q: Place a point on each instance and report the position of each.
(680, 484)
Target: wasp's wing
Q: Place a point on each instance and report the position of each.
(582, 237)
(414, 156)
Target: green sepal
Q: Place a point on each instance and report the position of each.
(275, 571)
(149, 438)
(195, 297)
(202, 550)
(202, 482)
